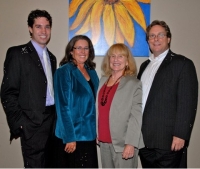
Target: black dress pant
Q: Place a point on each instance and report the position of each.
(157, 158)
(37, 150)
(85, 155)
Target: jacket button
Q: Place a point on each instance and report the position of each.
(44, 97)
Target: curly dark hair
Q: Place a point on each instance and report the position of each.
(68, 56)
(38, 13)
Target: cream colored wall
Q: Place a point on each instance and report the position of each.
(181, 15)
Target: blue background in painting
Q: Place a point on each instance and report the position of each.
(140, 48)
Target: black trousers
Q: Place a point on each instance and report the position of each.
(157, 158)
(36, 151)
(85, 155)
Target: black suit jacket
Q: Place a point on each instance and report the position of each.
(23, 89)
(172, 102)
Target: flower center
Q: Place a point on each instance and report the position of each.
(110, 2)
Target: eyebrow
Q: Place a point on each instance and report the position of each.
(157, 34)
(42, 25)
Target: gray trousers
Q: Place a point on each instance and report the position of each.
(112, 159)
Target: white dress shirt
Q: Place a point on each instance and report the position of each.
(149, 74)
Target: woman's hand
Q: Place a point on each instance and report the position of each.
(70, 147)
(97, 141)
(128, 151)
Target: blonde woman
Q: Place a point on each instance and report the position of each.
(119, 108)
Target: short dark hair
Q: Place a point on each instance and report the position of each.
(160, 23)
(38, 13)
(70, 46)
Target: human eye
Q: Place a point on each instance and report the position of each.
(78, 48)
(161, 35)
(48, 27)
(152, 36)
(86, 48)
(38, 26)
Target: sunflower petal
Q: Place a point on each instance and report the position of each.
(135, 11)
(125, 23)
(96, 13)
(82, 13)
(74, 6)
(118, 35)
(86, 26)
(109, 24)
(145, 1)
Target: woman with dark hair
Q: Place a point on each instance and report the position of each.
(75, 86)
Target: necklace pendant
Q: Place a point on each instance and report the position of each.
(104, 100)
(103, 103)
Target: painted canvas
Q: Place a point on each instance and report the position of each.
(107, 22)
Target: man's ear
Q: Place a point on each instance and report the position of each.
(30, 29)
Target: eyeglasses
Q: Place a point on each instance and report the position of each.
(159, 36)
(80, 48)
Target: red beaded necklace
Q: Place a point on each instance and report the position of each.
(104, 100)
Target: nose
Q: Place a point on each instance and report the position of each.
(82, 50)
(43, 30)
(156, 38)
(116, 58)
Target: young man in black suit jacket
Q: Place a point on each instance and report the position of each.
(170, 95)
(27, 94)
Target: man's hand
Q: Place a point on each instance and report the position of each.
(177, 143)
(128, 151)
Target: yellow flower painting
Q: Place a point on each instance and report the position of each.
(111, 21)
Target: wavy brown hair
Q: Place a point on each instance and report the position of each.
(68, 56)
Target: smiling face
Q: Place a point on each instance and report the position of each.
(80, 51)
(41, 31)
(158, 44)
(118, 62)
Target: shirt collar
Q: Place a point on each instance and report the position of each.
(159, 57)
(38, 48)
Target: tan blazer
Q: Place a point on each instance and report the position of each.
(125, 113)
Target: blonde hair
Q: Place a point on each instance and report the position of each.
(123, 50)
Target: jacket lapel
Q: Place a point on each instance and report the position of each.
(94, 79)
(77, 74)
(122, 82)
(159, 78)
(142, 68)
(102, 81)
(34, 56)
